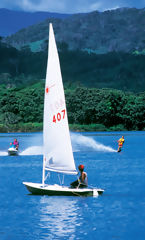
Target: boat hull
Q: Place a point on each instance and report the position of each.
(12, 152)
(56, 190)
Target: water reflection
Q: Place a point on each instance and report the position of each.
(58, 216)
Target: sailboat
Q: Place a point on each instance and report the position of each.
(57, 148)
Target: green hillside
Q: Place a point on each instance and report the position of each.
(21, 109)
(102, 67)
(116, 30)
(116, 70)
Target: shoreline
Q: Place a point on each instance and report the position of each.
(38, 127)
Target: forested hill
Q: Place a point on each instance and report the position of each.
(12, 21)
(88, 109)
(113, 30)
(122, 71)
(101, 50)
(101, 54)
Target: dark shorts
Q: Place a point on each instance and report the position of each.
(76, 184)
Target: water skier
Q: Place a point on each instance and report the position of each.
(120, 143)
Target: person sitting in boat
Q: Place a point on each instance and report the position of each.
(120, 143)
(16, 144)
(82, 181)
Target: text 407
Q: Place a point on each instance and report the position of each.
(59, 116)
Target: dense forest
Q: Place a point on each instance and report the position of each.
(116, 70)
(103, 92)
(21, 109)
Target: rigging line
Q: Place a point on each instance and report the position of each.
(48, 175)
(59, 179)
(63, 180)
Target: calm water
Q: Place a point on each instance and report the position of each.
(118, 214)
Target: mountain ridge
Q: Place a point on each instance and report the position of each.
(121, 29)
(114, 35)
(12, 21)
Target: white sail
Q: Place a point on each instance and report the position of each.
(58, 155)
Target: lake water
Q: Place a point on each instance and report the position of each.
(118, 214)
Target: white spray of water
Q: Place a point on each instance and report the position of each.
(34, 150)
(3, 153)
(90, 143)
(78, 141)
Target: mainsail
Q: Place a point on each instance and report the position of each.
(58, 155)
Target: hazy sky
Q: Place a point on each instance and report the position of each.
(69, 6)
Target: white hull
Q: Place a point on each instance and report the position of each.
(12, 151)
(57, 190)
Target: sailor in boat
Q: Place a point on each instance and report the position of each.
(82, 181)
(16, 144)
(120, 143)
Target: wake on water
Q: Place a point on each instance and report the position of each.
(78, 141)
(34, 150)
(89, 142)
(3, 153)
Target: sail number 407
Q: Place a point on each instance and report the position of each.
(59, 116)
